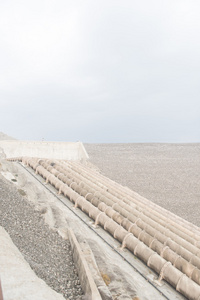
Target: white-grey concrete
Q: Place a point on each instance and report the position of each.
(43, 149)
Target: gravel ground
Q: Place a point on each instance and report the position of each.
(47, 253)
(167, 174)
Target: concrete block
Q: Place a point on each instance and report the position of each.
(50, 150)
(87, 282)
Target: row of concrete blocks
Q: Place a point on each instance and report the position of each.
(155, 244)
(158, 211)
(194, 249)
(179, 222)
(165, 227)
(127, 195)
(130, 215)
(187, 230)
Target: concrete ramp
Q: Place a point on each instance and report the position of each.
(51, 150)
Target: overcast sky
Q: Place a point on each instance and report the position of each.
(100, 70)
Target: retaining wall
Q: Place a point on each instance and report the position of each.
(51, 150)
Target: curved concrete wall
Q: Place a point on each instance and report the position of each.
(52, 150)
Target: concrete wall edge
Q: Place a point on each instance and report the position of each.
(87, 282)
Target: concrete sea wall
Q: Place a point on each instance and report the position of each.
(56, 150)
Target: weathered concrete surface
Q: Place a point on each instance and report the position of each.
(87, 282)
(58, 150)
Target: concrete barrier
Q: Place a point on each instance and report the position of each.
(52, 150)
(87, 282)
(1, 293)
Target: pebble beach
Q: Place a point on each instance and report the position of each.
(167, 174)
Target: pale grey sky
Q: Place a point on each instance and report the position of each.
(100, 71)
